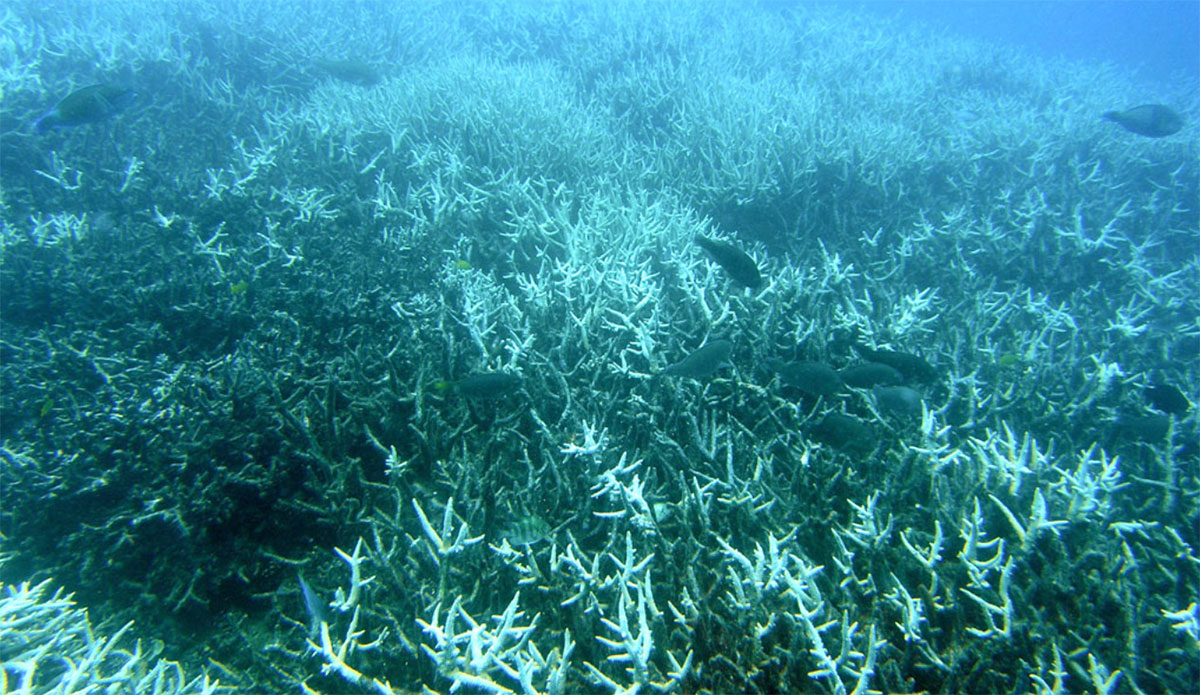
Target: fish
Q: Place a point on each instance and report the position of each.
(525, 530)
(844, 433)
(911, 366)
(352, 71)
(736, 263)
(1008, 360)
(1151, 120)
(1150, 428)
(898, 401)
(92, 104)
(313, 606)
(483, 386)
(868, 374)
(813, 378)
(707, 359)
(1168, 399)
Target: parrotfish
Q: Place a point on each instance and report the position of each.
(1138, 427)
(735, 262)
(844, 433)
(92, 104)
(911, 367)
(1151, 120)
(704, 361)
(352, 71)
(898, 401)
(1168, 399)
(868, 374)
(813, 378)
(483, 385)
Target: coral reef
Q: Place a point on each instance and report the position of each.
(267, 321)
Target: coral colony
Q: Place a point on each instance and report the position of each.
(608, 348)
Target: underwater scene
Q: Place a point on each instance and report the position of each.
(611, 347)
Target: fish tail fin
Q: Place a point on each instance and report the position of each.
(1111, 115)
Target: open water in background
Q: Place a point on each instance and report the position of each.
(1161, 40)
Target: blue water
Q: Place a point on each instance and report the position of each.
(1160, 40)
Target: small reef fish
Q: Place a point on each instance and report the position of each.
(736, 263)
(712, 356)
(1151, 120)
(1008, 360)
(92, 104)
(484, 385)
(525, 530)
(868, 374)
(911, 367)
(313, 606)
(813, 378)
(352, 71)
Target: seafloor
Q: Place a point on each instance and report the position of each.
(252, 322)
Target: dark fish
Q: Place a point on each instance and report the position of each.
(486, 385)
(88, 105)
(900, 401)
(813, 378)
(910, 366)
(1151, 120)
(351, 71)
(1144, 428)
(868, 374)
(844, 433)
(712, 356)
(736, 262)
(1168, 399)
(1186, 348)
